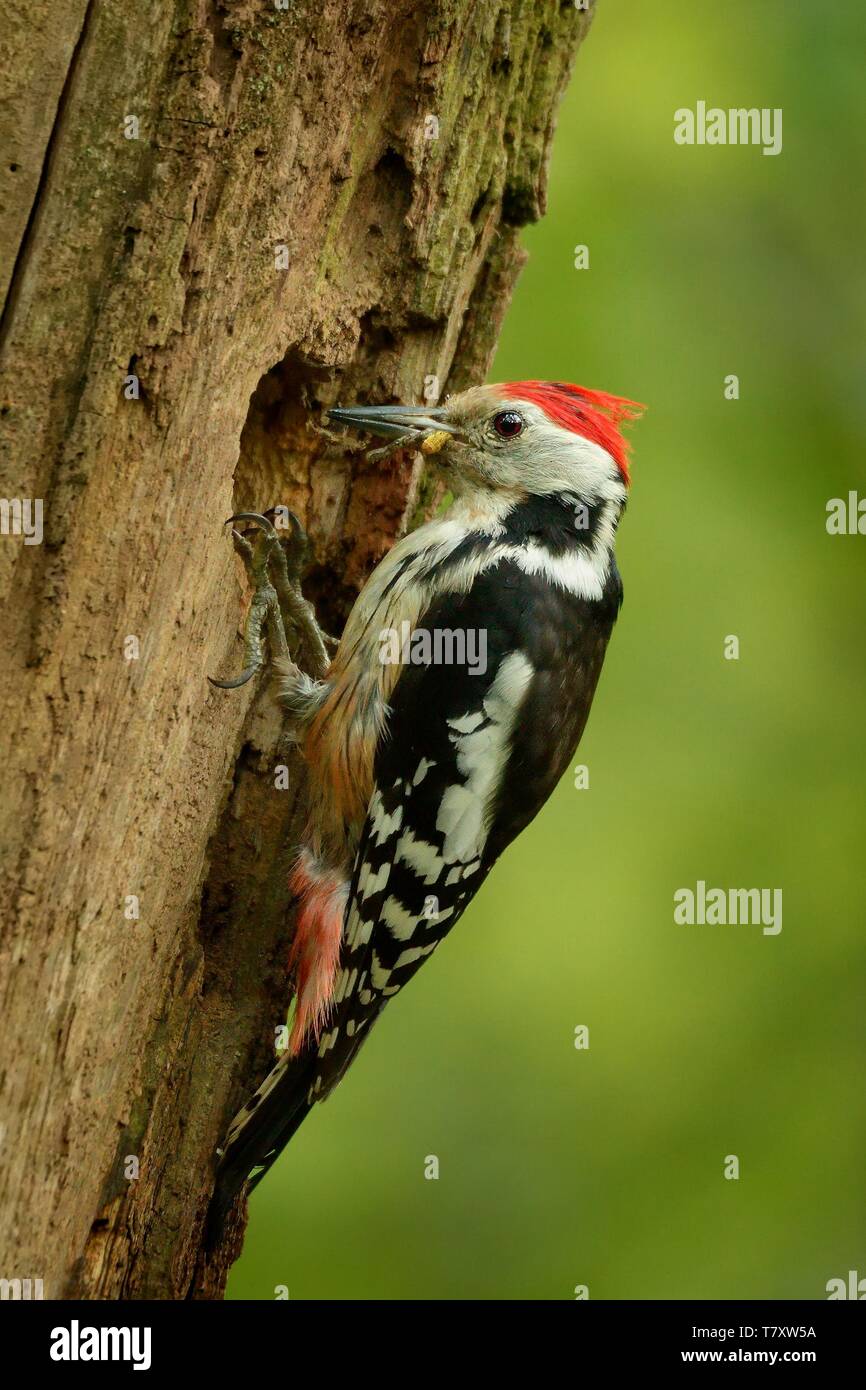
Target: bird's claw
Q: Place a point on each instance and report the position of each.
(277, 602)
(238, 681)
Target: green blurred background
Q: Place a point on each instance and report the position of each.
(604, 1167)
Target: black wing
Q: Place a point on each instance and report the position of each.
(467, 761)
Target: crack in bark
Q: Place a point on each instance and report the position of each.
(22, 257)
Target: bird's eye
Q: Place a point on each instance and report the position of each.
(508, 424)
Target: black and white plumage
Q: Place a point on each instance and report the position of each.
(460, 759)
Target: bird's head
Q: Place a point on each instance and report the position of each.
(519, 438)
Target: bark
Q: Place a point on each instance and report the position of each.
(289, 229)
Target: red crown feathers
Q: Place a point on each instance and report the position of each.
(594, 414)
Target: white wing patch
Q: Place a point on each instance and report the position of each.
(423, 858)
(370, 883)
(583, 573)
(400, 923)
(383, 825)
(414, 953)
(358, 929)
(467, 722)
(481, 751)
(379, 975)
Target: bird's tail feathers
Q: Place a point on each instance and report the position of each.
(258, 1134)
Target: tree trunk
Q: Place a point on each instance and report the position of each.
(219, 217)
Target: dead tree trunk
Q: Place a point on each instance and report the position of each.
(218, 216)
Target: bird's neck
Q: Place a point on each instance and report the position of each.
(557, 520)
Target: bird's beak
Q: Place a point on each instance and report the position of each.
(410, 422)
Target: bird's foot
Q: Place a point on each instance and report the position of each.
(278, 607)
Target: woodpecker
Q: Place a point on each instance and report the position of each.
(423, 770)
